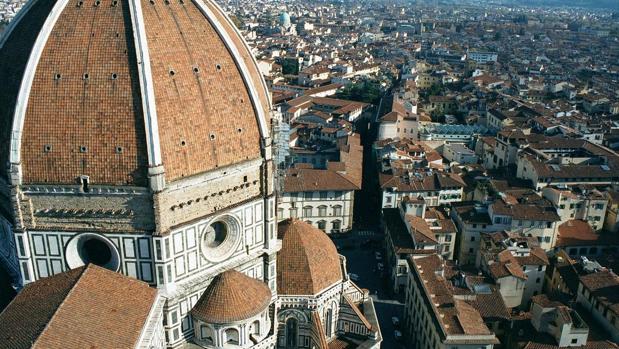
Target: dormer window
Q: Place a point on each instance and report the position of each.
(85, 181)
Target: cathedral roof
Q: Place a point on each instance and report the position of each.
(111, 88)
(86, 307)
(232, 296)
(308, 262)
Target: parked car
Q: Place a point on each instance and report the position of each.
(395, 321)
(378, 256)
(397, 335)
(380, 266)
(353, 277)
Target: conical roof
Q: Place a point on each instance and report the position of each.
(308, 261)
(232, 296)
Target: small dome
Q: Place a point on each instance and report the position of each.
(232, 296)
(308, 261)
(284, 19)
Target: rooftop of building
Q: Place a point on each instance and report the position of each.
(308, 262)
(109, 309)
(451, 315)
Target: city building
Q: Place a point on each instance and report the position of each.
(598, 293)
(437, 317)
(531, 216)
(339, 108)
(324, 197)
(567, 163)
(516, 264)
(436, 188)
(459, 153)
(414, 230)
(482, 57)
(588, 205)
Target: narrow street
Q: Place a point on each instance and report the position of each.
(359, 250)
(361, 246)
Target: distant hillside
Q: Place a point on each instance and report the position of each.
(610, 4)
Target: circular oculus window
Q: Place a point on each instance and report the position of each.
(92, 248)
(220, 238)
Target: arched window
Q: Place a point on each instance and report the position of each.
(206, 333)
(322, 210)
(337, 210)
(337, 225)
(329, 323)
(307, 211)
(292, 326)
(232, 336)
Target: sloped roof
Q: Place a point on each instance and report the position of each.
(308, 262)
(232, 296)
(109, 309)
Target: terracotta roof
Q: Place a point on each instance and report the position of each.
(346, 174)
(589, 345)
(470, 319)
(579, 233)
(422, 234)
(87, 81)
(507, 265)
(13, 63)
(537, 256)
(525, 211)
(303, 179)
(109, 309)
(342, 343)
(604, 286)
(308, 262)
(420, 181)
(392, 116)
(470, 213)
(491, 306)
(452, 316)
(232, 296)
(545, 302)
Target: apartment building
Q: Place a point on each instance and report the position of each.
(588, 205)
(517, 264)
(436, 317)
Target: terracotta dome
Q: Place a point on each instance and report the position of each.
(308, 262)
(112, 88)
(232, 296)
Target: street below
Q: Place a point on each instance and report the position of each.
(359, 248)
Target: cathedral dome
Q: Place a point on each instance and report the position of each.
(112, 89)
(232, 296)
(308, 262)
(284, 19)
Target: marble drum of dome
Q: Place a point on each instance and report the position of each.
(220, 238)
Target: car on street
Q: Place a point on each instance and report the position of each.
(378, 256)
(395, 321)
(380, 266)
(397, 335)
(353, 277)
